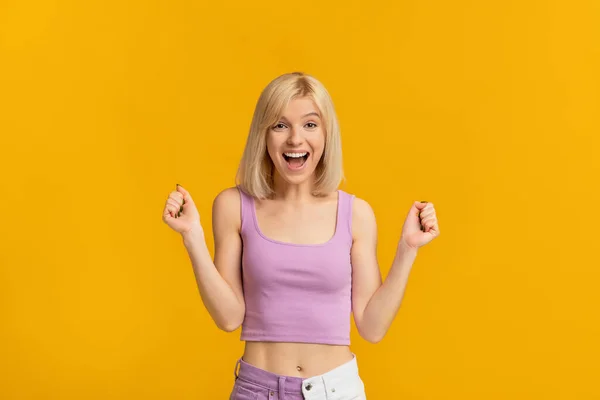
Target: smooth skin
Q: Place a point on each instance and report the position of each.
(375, 303)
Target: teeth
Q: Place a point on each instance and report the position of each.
(295, 155)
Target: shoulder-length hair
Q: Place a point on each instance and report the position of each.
(255, 172)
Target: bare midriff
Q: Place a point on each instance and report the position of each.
(302, 360)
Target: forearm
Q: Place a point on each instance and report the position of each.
(218, 297)
(385, 302)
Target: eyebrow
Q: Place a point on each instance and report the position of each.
(313, 113)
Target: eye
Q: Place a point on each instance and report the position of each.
(279, 126)
(313, 125)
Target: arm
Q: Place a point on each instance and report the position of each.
(375, 304)
(220, 283)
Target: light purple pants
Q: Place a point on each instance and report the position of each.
(341, 383)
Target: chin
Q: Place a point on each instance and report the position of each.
(295, 177)
(296, 180)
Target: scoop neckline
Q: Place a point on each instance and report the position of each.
(335, 233)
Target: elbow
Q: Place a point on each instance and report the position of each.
(230, 324)
(228, 327)
(371, 336)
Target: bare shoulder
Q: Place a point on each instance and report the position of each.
(362, 212)
(226, 206)
(363, 218)
(228, 197)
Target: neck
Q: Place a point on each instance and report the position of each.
(287, 191)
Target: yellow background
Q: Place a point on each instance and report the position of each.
(487, 109)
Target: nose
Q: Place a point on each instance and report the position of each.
(295, 137)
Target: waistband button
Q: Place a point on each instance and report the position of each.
(308, 387)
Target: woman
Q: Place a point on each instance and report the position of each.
(309, 253)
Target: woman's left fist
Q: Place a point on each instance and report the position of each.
(420, 226)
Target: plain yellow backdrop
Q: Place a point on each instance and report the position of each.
(490, 110)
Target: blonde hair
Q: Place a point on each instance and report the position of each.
(255, 173)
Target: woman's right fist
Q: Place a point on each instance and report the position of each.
(180, 212)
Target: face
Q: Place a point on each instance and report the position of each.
(296, 142)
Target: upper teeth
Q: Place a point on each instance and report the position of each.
(295, 155)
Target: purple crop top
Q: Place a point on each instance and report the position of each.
(297, 292)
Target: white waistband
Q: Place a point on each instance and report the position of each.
(338, 383)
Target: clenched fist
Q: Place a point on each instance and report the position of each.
(180, 212)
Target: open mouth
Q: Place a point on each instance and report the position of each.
(296, 160)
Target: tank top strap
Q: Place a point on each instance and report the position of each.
(246, 209)
(345, 211)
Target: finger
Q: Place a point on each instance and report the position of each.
(428, 206)
(428, 224)
(422, 224)
(179, 202)
(174, 210)
(429, 221)
(177, 197)
(433, 227)
(176, 205)
(427, 212)
(433, 231)
(187, 198)
(419, 206)
(169, 211)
